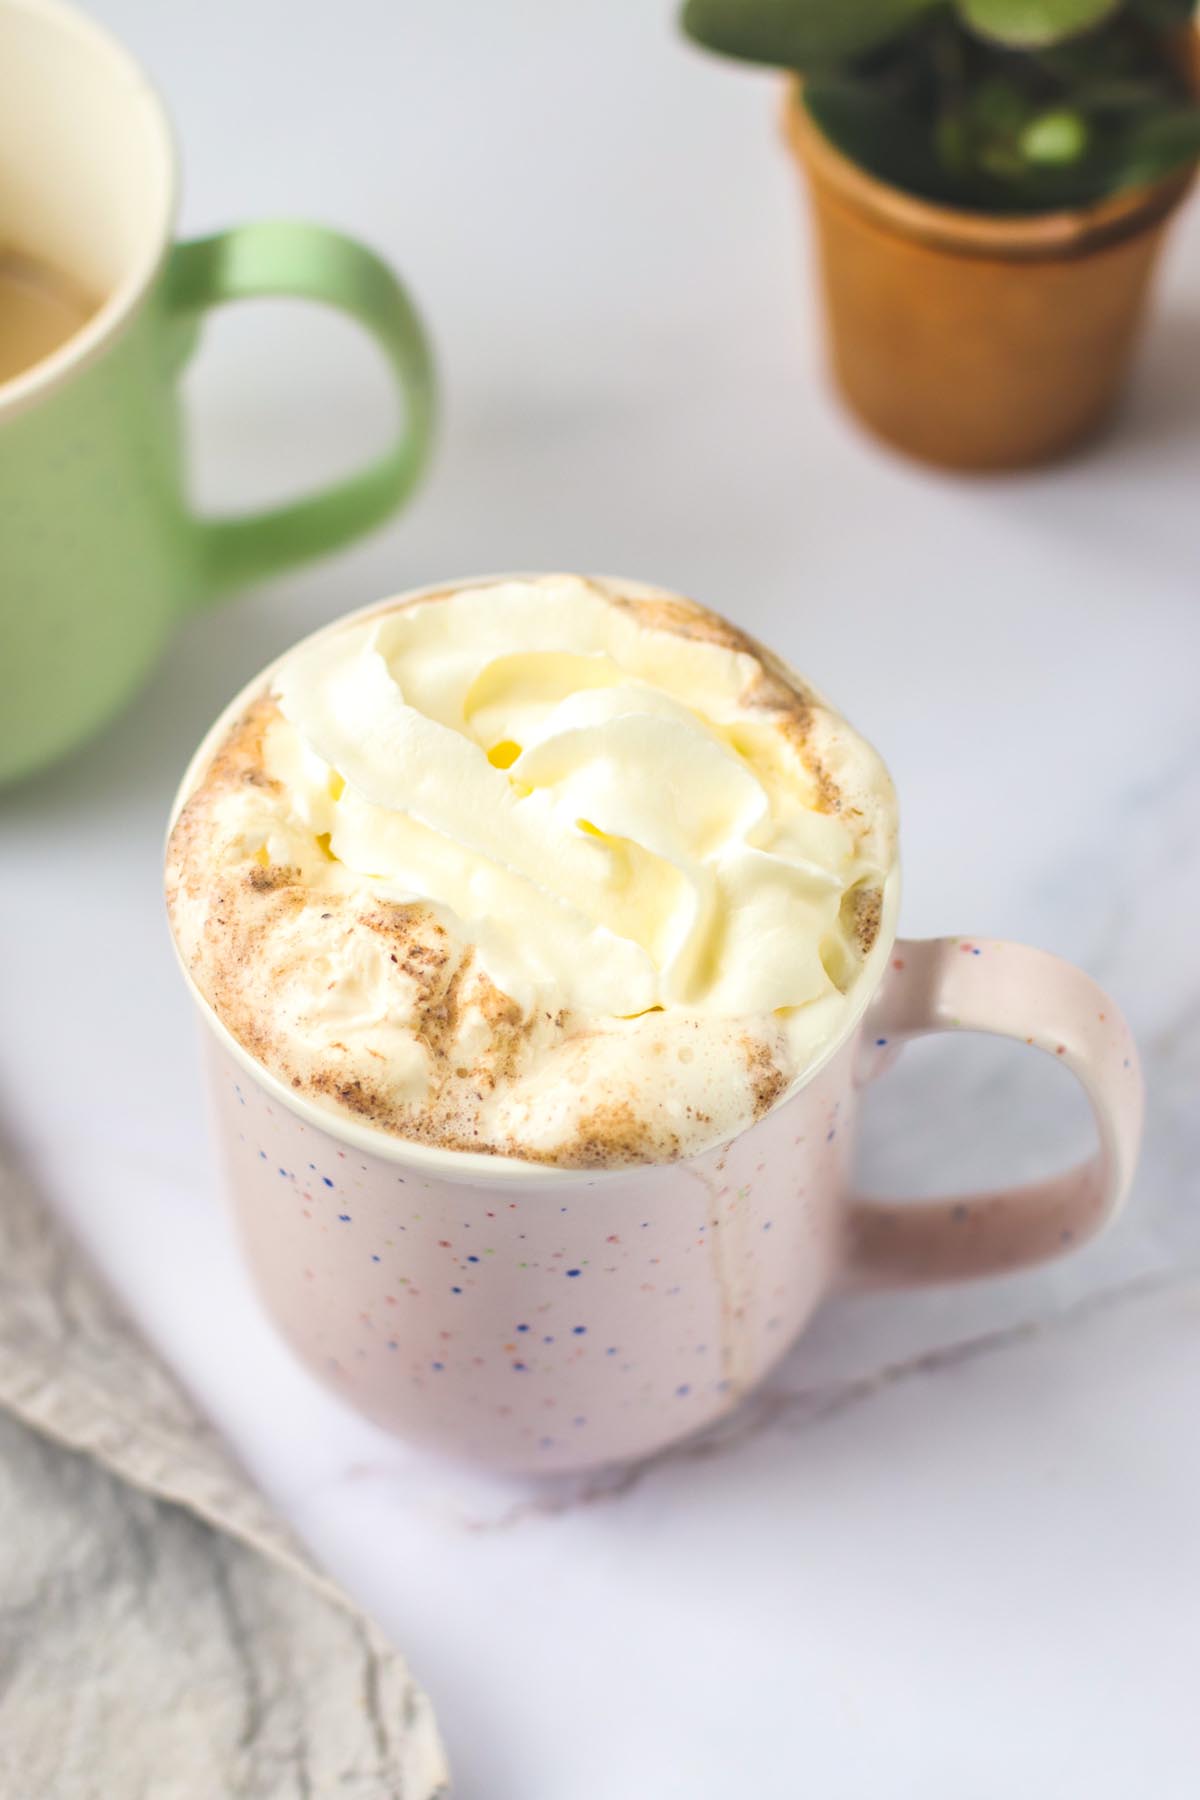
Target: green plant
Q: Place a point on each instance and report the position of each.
(995, 105)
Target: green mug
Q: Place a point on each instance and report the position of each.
(100, 554)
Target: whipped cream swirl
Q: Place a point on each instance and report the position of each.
(611, 805)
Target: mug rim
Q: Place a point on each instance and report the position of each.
(477, 1167)
(115, 312)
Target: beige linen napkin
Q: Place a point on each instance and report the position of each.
(162, 1636)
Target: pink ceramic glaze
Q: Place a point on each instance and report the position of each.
(539, 1319)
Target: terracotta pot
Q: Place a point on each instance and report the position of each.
(975, 341)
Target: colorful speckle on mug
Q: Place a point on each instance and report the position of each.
(565, 1337)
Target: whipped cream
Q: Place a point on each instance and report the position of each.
(558, 869)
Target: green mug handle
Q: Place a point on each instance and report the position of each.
(309, 262)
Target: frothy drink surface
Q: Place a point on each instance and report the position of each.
(565, 870)
(40, 308)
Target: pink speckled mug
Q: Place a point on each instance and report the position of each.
(533, 1318)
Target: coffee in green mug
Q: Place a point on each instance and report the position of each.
(100, 554)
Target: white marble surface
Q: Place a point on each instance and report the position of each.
(954, 1550)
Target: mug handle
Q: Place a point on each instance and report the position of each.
(309, 262)
(1008, 990)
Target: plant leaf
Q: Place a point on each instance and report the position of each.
(1055, 139)
(882, 136)
(1159, 142)
(798, 34)
(1164, 15)
(1032, 24)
